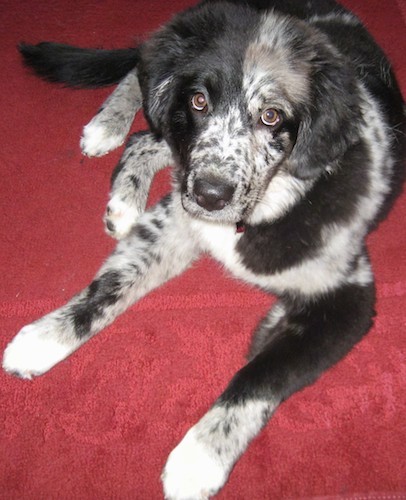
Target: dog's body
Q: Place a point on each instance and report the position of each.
(286, 131)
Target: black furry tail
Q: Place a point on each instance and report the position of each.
(75, 67)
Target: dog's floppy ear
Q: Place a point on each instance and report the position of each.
(330, 122)
(156, 78)
(158, 103)
(161, 57)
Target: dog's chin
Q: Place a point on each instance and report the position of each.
(228, 215)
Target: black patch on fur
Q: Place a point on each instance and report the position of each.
(145, 233)
(315, 335)
(135, 181)
(272, 247)
(165, 202)
(76, 67)
(101, 293)
(159, 224)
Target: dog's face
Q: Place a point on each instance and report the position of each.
(247, 102)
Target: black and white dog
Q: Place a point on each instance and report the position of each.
(286, 129)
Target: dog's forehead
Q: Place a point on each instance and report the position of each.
(275, 70)
(251, 60)
(265, 64)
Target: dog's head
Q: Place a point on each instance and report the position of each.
(254, 106)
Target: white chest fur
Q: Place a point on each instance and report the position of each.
(314, 275)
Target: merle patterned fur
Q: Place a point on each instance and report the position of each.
(307, 187)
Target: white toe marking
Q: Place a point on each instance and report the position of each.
(97, 141)
(191, 473)
(33, 351)
(120, 215)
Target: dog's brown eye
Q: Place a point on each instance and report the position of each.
(199, 102)
(271, 117)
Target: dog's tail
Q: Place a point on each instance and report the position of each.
(75, 67)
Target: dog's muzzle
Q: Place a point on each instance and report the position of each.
(211, 194)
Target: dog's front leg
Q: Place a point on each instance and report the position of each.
(298, 342)
(157, 249)
(143, 156)
(109, 128)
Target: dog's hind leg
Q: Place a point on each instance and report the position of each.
(109, 128)
(304, 340)
(157, 249)
(131, 180)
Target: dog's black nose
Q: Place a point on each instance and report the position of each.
(212, 195)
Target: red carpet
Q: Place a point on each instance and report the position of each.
(101, 424)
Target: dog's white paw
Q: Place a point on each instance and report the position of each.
(119, 217)
(96, 140)
(191, 472)
(33, 351)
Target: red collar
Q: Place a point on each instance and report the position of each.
(240, 227)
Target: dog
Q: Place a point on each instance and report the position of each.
(286, 131)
